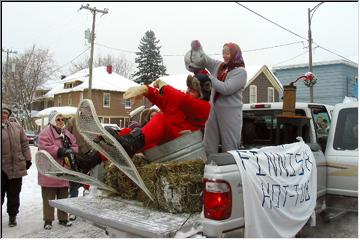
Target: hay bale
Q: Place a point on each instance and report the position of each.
(176, 186)
(118, 180)
(179, 186)
(115, 178)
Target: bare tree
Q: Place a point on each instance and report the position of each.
(32, 68)
(121, 65)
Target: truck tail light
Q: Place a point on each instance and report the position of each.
(260, 106)
(217, 199)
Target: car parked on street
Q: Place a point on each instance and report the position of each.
(112, 125)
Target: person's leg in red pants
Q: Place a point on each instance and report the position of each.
(158, 131)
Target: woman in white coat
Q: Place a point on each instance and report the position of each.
(228, 79)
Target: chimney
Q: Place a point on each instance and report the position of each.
(109, 69)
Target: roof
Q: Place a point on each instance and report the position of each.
(63, 110)
(177, 81)
(101, 80)
(254, 71)
(114, 82)
(332, 62)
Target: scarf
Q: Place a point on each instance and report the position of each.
(236, 60)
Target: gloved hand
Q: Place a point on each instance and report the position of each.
(68, 152)
(135, 91)
(62, 152)
(28, 164)
(195, 59)
(159, 84)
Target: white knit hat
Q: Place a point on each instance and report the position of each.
(52, 117)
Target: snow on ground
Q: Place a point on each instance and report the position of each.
(30, 221)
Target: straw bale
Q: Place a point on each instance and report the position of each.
(177, 185)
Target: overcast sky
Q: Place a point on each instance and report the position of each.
(60, 26)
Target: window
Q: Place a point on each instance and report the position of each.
(321, 121)
(69, 100)
(127, 103)
(260, 127)
(106, 100)
(253, 94)
(68, 85)
(270, 94)
(106, 120)
(346, 132)
(59, 100)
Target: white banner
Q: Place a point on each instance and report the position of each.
(279, 188)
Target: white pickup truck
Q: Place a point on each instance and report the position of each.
(342, 153)
(122, 218)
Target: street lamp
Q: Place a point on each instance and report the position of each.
(310, 15)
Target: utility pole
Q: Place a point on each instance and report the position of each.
(93, 11)
(310, 45)
(7, 61)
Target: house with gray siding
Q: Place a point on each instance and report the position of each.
(335, 80)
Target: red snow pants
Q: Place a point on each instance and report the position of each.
(158, 131)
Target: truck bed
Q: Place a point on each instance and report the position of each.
(129, 216)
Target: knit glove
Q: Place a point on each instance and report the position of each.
(135, 91)
(28, 164)
(159, 84)
(195, 59)
(63, 152)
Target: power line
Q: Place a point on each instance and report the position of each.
(292, 31)
(70, 61)
(211, 54)
(290, 58)
(271, 21)
(265, 48)
(117, 49)
(334, 53)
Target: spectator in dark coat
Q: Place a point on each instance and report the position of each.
(15, 160)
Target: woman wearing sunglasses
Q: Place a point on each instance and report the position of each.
(59, 143)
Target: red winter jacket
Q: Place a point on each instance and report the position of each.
(182, 111)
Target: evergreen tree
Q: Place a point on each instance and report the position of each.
(149, 60)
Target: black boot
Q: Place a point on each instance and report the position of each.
(12, 221)
(88, 161)
(48, 225)
(132, 142)
(65, 223)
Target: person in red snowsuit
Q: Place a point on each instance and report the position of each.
(179, 112)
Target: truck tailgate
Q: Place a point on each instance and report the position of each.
(129, 217)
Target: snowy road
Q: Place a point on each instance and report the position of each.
(30, 221)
